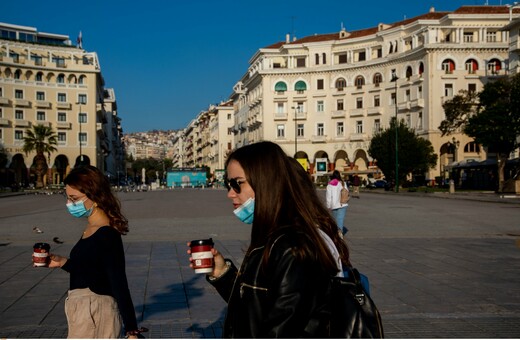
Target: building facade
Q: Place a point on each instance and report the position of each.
(323, 97)
(45, 79)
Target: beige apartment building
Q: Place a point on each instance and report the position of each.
(45, 79)
(322, 97)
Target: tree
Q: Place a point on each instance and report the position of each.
(415, 154)
(40, 139)
(491, 117)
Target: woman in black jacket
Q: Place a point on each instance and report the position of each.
(281, 288)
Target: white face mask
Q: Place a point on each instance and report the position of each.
(246, 211)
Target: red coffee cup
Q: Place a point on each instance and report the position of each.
(40, 255)
(202, 256)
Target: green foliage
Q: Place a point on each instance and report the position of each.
(40, 139)
(416, 154)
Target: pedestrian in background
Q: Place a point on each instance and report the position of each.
(333, 201)
(356, 183)
(99, 296)
(281, 287)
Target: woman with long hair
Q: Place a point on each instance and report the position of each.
(98, 297)
(333, 195)
(281, 289)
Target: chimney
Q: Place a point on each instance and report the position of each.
(432, 9)
(287, 38)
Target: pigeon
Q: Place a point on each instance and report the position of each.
(37, 230)
(57, 240)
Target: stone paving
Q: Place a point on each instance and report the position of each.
(437, 268)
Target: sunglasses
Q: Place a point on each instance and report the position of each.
(233, 183)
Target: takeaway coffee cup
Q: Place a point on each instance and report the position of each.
(41, 255)
(202, 256)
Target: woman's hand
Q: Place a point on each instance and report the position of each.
(57, 261)
(219, 264)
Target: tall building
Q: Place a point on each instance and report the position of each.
(45, 79)
(323, 97)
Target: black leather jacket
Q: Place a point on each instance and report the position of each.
(286, 299)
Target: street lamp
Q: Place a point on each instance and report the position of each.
(456, 145)
(80, 119)
(295, 108)
(394, 79)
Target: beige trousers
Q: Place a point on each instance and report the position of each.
(93, 316)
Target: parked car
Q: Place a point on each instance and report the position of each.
(380, 183)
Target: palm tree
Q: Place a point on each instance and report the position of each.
(40, 139)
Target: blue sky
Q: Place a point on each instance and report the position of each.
(168, 60)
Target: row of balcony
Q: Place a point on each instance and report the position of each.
(41, 62)
(24, 123)
(40, 104)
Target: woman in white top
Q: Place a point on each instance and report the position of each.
(337, 209)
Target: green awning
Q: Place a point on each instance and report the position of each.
(300, 86)
(280, 86)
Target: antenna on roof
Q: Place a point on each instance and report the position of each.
(342, 27)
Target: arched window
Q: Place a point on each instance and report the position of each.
(39, 76)
(279, 87)
(81, 80)
(300, 86)
(341, 83)
(421, 69)
(378, 78)
(472, 147)
(17, 74)
(359, 81)
(448, 66)
(494, 66)
(409, 72)
(471, 66)
(60, 79)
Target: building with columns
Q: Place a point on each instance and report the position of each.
(45, 79)
(322, 97)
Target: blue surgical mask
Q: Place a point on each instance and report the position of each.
(78, 209)
(246, 211)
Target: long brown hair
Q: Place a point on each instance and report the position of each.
(93, 183)
(280, 201)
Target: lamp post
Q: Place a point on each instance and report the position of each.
(394, 79)
(295, 129)
(80, 119)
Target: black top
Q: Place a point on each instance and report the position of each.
(98, 263)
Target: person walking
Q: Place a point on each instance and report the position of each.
(356, 183)
(333, 201)
(98, 297)
(280, 290)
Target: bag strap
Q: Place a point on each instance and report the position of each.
(353, 275)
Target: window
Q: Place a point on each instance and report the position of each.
(280, 108)
(362, 56)
(18, 94)
(409, 72)
(300, 62)
(82, 138)
(378, 78)
(40, 95)
(320, 106)
(62, 138)
(339, 105)
(39, 76)
(408, 119)
(299, 107)
(1, 92)
(82, 118)
(342, 58)
(82, 98)
(229, 116)
(359, 102)
(494, 65)
(317, 61)
(320, 129)
(280, 131)
(448, 90)
(359, 126)
(319, 84)
(62, 116)
(419, 121)
(280, 87)
(421, 69)
(62, 97)
(407, 95)
(60, 62)
(472, 88)
(377, 101)
(18, 114)
(324, 56)
(491, 36)
(60, 79)
(472, 147)
(300, 86)
(377, 125)
(40, 115)
(17, 74)
(18, 135)
(340, 129)
(341, 83)
(468, 37)
(299, 130)
(471, 66)
(37, 59)
(360, 81)
(419, 92)
(393, 99)
(448, 66)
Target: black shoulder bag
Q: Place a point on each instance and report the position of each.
(353, 313)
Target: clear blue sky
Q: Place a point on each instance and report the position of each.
(168, 60)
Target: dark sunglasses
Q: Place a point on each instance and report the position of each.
(233, 183)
